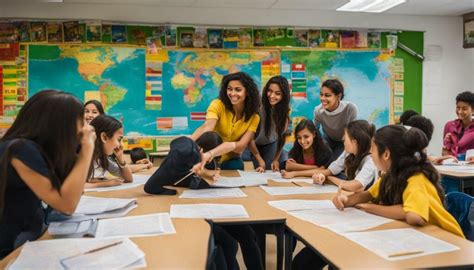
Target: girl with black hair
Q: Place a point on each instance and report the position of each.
(267, 146)
(109, 133)
(309, 152)
(409, 188)
(356, 161)
(234, 116)
(41, 163)
(92, 109)
(333, 114)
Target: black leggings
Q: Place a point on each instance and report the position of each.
(226, 249)
(247, 238)
(307, 259)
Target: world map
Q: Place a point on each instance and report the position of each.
(190, 80)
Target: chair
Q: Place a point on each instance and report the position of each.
(461, 206)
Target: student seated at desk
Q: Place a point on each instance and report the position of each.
(408, 190)
(308, 153)
(41, 162)
(139, 160)
(356, 161)
(109, 133)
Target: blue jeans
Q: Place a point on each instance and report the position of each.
(232, 164)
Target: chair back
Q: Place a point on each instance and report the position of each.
(460, 205)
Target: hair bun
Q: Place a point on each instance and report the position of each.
(415, 139)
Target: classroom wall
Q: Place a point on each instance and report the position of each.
(443, 78)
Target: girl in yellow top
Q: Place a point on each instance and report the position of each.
(234, 116)
(409, 188)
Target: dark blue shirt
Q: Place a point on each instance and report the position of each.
(22, 208)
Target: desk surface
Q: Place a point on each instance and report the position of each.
(342, 252)
(448, 171)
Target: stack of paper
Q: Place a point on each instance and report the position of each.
(138, 180)
(400, 244)
(324, 214)
(315, 189)
(135, 226)
(275, 176)
(80, 253)
(213, 193)
(208, 210)
(239, 182)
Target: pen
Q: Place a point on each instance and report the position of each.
(296, 184)
(405, 253)
(93, 250)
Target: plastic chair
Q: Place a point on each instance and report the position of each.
(461, 207)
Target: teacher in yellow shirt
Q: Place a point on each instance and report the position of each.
(234, 116)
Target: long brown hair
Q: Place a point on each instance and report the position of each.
(362, 132)
(49, 118)
(406, 159)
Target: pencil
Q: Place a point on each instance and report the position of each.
(295, 183)
(93, 250)
(405, 253)
(179, 181)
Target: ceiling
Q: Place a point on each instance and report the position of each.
(411, 7)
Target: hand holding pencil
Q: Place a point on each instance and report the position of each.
(339, 200)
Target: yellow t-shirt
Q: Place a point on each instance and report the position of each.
(420, 197)
(229, 129)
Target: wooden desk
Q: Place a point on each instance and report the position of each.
(340, 252)
(187, 249)
(465, 178)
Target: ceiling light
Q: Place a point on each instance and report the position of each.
(375, 6)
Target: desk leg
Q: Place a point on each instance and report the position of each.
(280, 235)
(288, 249)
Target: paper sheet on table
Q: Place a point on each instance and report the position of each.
(275, 176)
(138, 180)
(208, 210)
(135, 226)
(315, 189)
(212, 193)
(349, 220)
(48, 254)
(94, 205)
(398, 241)
(239, 182)
(294, 205)
(456, 168)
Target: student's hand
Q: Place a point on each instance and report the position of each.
(87, 137)
(275, 166)
(217, 174)
(260, 169)
(339, 200)
(363, 206)
(470, 160)
(439, 160)
(118, 151)
(146, 163)
(199, 167)
(112, 182)
(287, 175)
(291, 160)
(261, 164)
(319, 178)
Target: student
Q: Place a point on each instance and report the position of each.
(333, 114)
(41, 161)
(92, 109)
(109, 134)
(267, 146)
(459, 134)
(406, 115)
(309, 152)
(139, 160)
(355, 161)
(234, 116)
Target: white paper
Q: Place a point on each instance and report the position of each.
(349, 220)
(118, 256)
(138, 180)
(213, 193)
(239, 182)
(110, 214)
(208, 210)
(315, 189)
(457, 167)
(294, 205)
(95, 205)
(47, 254)
(275, 176)
(135, 226)
(397, 241)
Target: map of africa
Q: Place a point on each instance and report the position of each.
(190, 80)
